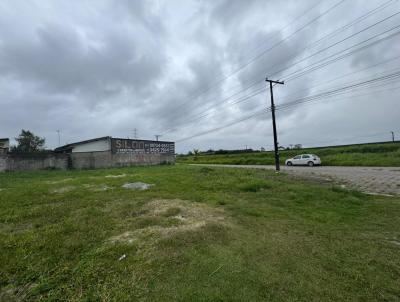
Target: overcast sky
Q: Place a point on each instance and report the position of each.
(97, 68)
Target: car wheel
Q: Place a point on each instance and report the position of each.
(310, 164)
(289, 163)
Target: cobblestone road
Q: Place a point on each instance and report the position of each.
(374, 180)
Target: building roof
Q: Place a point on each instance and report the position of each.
(143, 140)
(72, 145)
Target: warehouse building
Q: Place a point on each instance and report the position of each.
(104, 152)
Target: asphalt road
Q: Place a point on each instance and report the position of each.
(373, 180)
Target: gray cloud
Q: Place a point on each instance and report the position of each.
(98, 68)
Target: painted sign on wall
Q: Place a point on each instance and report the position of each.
(120, 145)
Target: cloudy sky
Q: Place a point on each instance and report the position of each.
(182, 68)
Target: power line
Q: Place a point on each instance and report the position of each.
(353, 96)
(336, 43)
(265, 51)
(311, 98)
(301, 15)
(258, 113)
(335, 91)
(324, 62)
(263, 89)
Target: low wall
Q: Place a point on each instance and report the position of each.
(3, 163)
(34, 161)
(123, 160)
(82, 160)
(91, 160)
(94, 160)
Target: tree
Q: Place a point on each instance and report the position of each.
(196, 152)
(28, 142)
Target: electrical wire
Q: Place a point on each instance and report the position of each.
(264, 52)
(295, 103)
(308, 57)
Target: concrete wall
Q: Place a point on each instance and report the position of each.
(81, 160)
(131, 159)
(93, 160)
(3, 163)
(29, 162)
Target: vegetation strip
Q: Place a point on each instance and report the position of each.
(198, 234)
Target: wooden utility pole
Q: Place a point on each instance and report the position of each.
(392, 136)
(277, 166)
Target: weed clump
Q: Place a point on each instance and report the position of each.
(206, 170)
(254, 186)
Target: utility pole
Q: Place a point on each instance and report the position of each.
(392, 136)
(157, 136)
(59, 141)
(135, 133)
(277, 167)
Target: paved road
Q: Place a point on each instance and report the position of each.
(375, 180)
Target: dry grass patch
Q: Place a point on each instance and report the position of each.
(53, 182)
(97, 188)
(64, 189)
(115, 176)
(163, 218)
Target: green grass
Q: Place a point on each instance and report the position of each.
(199, 234)
(385, 154)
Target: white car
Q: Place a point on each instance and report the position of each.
(303, 159)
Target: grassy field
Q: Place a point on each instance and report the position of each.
(385, 154)
(199, 234)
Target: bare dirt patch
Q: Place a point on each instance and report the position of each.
(53, 182)
(15, 293)
(97, 188)
(116, 176)
(64, 189)
(171, 217)
(141, 186)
